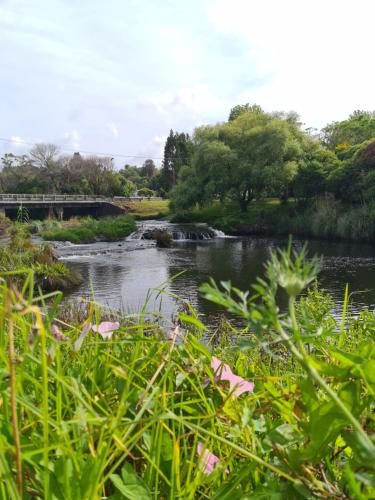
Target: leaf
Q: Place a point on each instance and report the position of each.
(186, 318)
(130, 484)
(198, 346)
(284, 435)
(363, 453)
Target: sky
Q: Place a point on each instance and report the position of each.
(115, 76)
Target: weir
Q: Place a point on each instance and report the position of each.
(178, 232)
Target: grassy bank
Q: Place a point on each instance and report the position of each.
(322, 218)
(143, 210)
(20, 255)
(86, 230)
(128, 409)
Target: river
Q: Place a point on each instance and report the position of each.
(127, 275)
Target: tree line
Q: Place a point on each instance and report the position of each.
(252, 155)
(256, 154)
(45, 170)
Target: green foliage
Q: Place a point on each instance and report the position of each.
(239, 109)
(121, 417)
(44, 170)
(359, 127)
(89, 230)
(252, 155)
(146, 192)
(20, 255)
(137, 178)
(320, 218)
(177, 153)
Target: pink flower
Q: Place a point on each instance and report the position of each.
(106, 328)
(236, 383)
(57, 333)
(206, 459)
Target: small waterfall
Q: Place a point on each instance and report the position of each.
(219, 234)
(178, 232)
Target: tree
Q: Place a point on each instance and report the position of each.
(349, 182)
(314, 170)
(19, 175)
(177, 152)
(189, 190)
(359, 127)
(243, 159)
(239, 109)
(45, 156)
(148, 169)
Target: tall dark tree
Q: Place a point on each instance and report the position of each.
(177, 152)
(148, 169)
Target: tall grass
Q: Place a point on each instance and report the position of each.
(89, 230)
(20, 255)
(138, 413)
(320, 218)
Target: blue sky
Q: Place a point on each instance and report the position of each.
(116, 76)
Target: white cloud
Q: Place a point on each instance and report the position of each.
(113, 129)
(17, 140)
(193, 99)
(319, 53)
(70, 140)
(17, 145)
(160, 139)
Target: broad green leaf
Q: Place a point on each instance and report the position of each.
(130, 484)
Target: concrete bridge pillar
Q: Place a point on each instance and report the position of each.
(60, 213)
(51, 214)
(2, 212)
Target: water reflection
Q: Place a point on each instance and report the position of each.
(120, 276)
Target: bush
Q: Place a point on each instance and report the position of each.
(146, 192)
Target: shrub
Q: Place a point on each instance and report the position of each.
(146, 192)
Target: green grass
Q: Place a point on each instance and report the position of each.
(228, 216)
(320, 218)
(143, 210)
(89, 230)
(20, 255)
(90, 417)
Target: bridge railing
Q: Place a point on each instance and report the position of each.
(51, 197)
(12, 197)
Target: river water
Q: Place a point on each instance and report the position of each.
(127, 275)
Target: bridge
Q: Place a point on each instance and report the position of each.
(63, 206)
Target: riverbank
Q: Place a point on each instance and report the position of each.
(149, 209)
(323, 218)
(20, 257)
(86, 230)
(111, 404)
